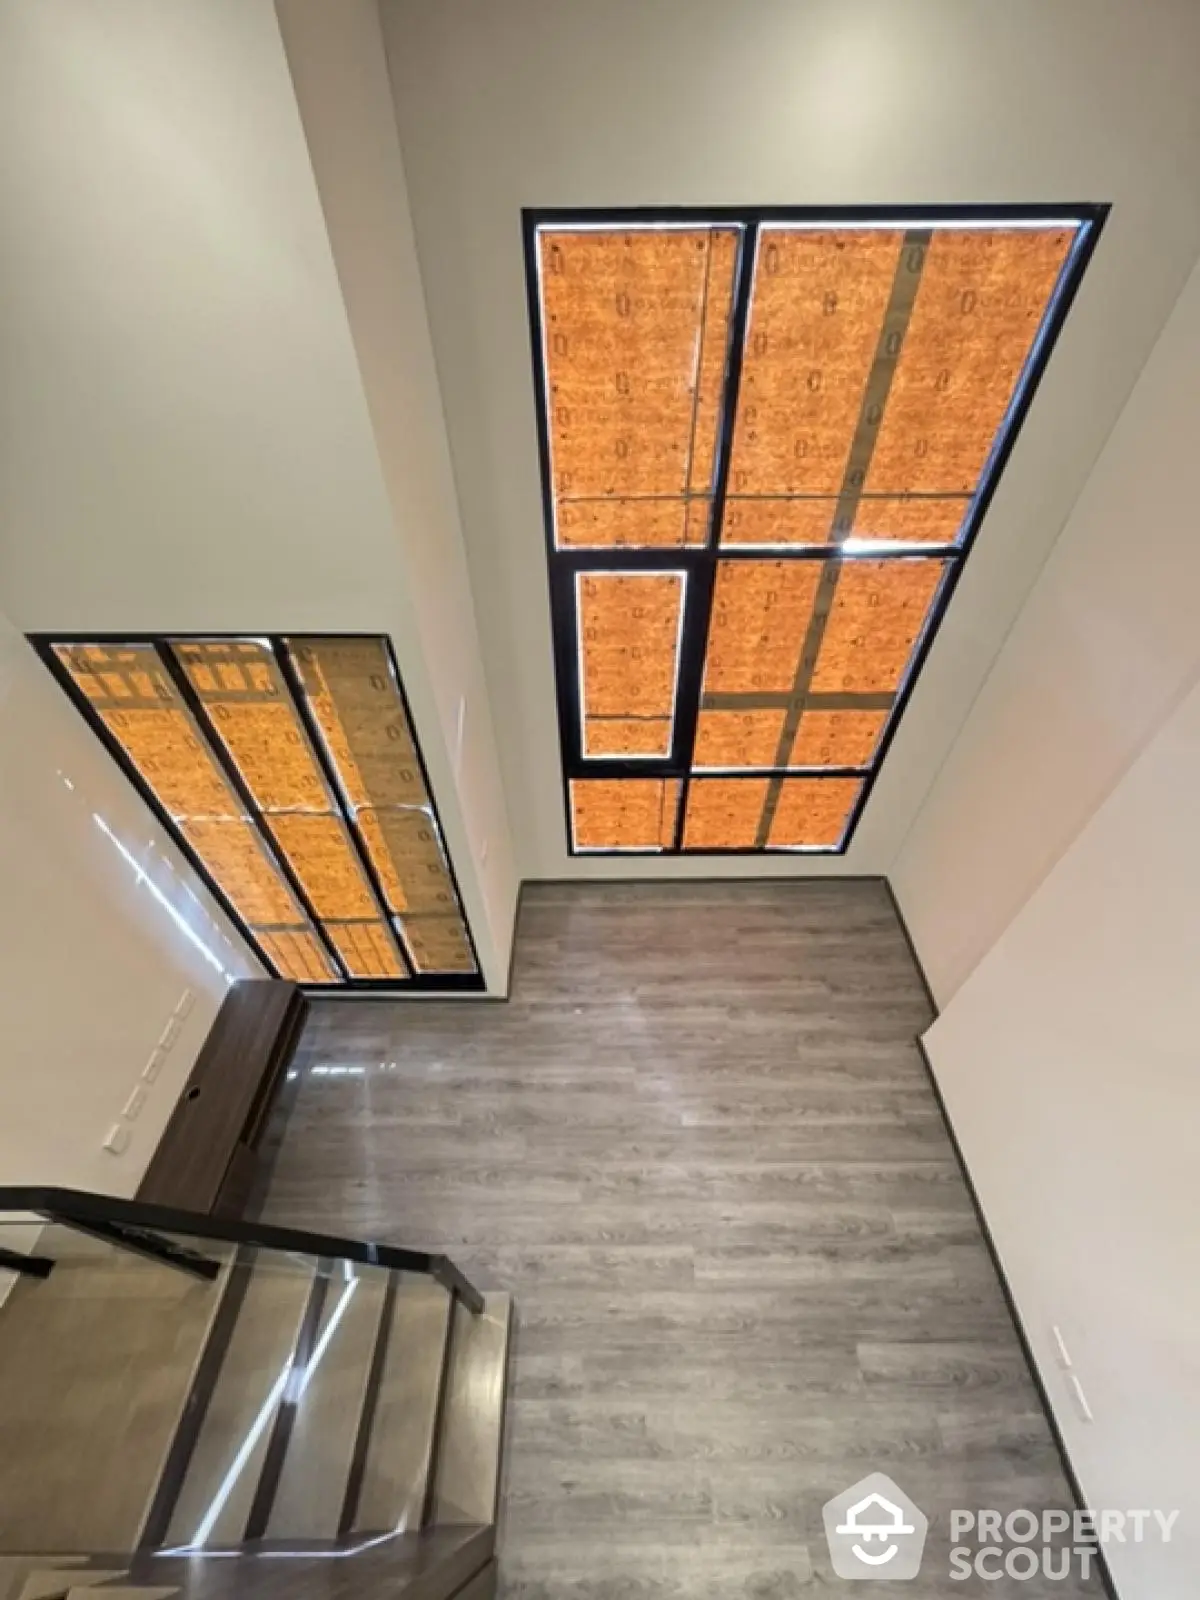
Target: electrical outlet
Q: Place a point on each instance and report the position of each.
(117, 1139)
(134, 1104)
(154, 1066)
(169, 1034)
(186, 1001)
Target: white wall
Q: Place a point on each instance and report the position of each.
(1106, 647)
(1070, 1063)
(695, 102)
(186, 439)
(343, 92)
(103, 926)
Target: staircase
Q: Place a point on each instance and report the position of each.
(210, 1408)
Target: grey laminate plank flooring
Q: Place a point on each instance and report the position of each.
(699, 1148)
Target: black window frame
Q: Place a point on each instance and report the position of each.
(700, 562)
(415, 982)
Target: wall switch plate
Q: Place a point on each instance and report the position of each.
(169, 1034)
(135, 1103)
(117, 1139)
(186, 1001)
(154, 1066)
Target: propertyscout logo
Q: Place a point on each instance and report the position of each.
(875, 1531)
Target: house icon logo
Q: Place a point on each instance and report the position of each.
(875, 1531)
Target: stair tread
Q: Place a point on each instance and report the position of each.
(131, 1591)
(400, 1450)
(311, 1489)
(219, 1485)
(419, 1566)
(468, 1476)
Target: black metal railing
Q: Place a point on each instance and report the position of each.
(140, 1228)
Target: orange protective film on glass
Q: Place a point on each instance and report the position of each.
(130, 690)
(723, 813)
(916, 338)
(983, 294)
(760, 616)
(244, 695)
(782, 813)
(356, 704)
(878, 611)
(636, 339)
(812, 413)
(737, 739)
(623, 813)
(816, 308)
(812, 813)
(629, 644)
(837, 738)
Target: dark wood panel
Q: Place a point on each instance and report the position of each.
(207, 1157)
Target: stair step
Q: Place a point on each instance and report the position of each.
(308, 1499)
(51, 1584)
(429, 1565)
(221, 1478)
(441, 1560)
(126, 1592)
(400, 1448)
(468, 1470)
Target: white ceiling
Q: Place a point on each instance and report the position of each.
(694, 102)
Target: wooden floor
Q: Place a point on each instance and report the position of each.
(699, 1147)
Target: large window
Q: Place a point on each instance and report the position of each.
(767, 442)
(289, 773)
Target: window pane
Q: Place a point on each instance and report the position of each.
(135, 697)
(812, 813)
(635, 334)
(623, 813)
(356, 703)
(760, 616)
(837, 738)
(816, 309)
(982, 297)
(738, 738)
(724, 813)
(629, 648)
(879, 367)
(243, 692)
(878, 612)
